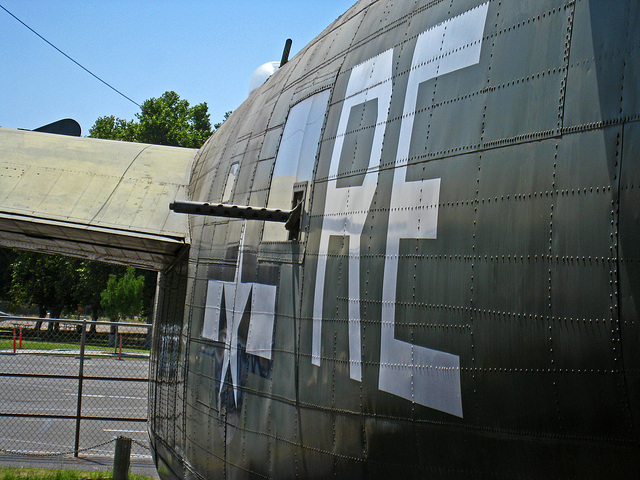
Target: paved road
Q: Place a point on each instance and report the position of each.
(59, 397)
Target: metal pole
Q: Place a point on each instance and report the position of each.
(80, 378)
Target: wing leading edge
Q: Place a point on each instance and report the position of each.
(98, 199)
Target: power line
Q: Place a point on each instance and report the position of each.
(78, 64)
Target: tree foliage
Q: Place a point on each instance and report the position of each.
(123, 296)
(6, 258)
(167, 120)
(114, 128)
(46, 281)
(92, 280)
(57, 284)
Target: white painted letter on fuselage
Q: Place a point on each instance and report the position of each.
(422, 375)
(346, 207)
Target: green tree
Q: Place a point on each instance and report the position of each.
(123, 296)
(92, 280)
(46, 281)
(6, 258)
(115, 129)
(167, 120)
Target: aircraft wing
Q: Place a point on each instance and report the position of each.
(97, 199)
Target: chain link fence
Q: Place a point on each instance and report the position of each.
(71, 386)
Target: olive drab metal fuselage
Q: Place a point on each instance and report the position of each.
(461, 297)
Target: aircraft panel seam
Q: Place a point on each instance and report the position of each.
(450, 424)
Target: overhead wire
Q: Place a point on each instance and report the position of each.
(67, 56)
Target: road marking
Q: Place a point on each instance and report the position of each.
(107, 396)
(124, 431)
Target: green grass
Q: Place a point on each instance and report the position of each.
(31, 345)
(12, 473)
(35, 345)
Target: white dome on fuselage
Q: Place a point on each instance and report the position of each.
(262, 73)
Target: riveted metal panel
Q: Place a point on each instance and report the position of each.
(541, 119)
(586, 181)
(232, 154)
(91, 198)
(318, 427)
(583, 333)
(368, 50)
(303, 60)
(283, 444)
(271, 142)
(427, 15)
(282, 107)
(285, 336)
(213, 239)
(245, 175)
(631, 79)
(602, 383)
(434, 276)
(523, 24)
(258, 114)
(518, 84)
(199, 299)
(629, 263)
(510, 283)
(385, 437)
(169, 382)
(455, 103)
(514, 200)
(432, 304)
(251, 438)
(372, 262)
(340, 39)
(596, 66)
(356, 150)
(202, 167)
(207, 178)
(335, 320)
(324, 155)
(452, 126)
(376, 21)
(261, 182)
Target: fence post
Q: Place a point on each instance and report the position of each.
(121, 458)
(20, 344)
(80, 378)
(14, 340)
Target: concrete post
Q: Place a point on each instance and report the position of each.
(122, 458)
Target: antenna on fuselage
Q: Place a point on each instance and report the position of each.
(263, 72)
(285, 53)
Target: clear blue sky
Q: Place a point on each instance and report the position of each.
(205, 50)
